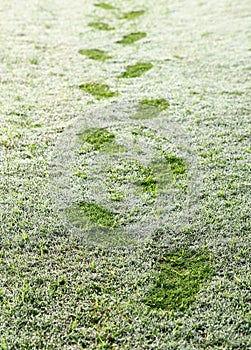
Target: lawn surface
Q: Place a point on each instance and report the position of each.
(125, 203)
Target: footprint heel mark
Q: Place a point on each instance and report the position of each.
(105, 6)
(131, 15)
(100, 139)
(95, 54)
(136, 70)
(98, 90)
(99, 215)
(100, 26)
(150, 108)
(131, 38)
(160, 103)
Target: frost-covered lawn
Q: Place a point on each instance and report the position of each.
(125, 174)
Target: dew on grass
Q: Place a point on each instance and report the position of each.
(234, 93)
(181, 275)
(132, 171)
(136, 70)
(206, 34)
(145, 112)
(104, 6)
(153, 179)
(98, 90)
(131, 38)
(162, 174)
(133, 14)
(95, 54)
(127, 169)
(100, 26)
(81, 175)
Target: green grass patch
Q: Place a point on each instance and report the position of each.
(99, 138)
(176, 164)
(136, 70)
(81, 175)
(104, 6)
(98, 90)
(100, 26)
(133, 14)
(95, 54)
(149, 183)
(34, 61)
(99, 215)
(181, 276)
(131, 38)
(160, 103)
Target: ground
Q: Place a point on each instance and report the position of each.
(125, 174)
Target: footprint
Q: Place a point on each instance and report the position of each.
(95, 54)
(104, 6)
(185, 270)
(150, 109)
(117, 181)
(136, 70)
(133, 14)
(101, 26)
(98, 90)
(131, 38)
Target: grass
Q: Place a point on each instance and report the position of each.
(131, 15)
(34, 61)
(145, 112)
(149, 184)
(160, 103)
(156, 177)
(97, 137)
(176, 164)
(131, 187)
(162, 174)
(181, 275)
(64, 288)
(132, 171)
(100, 26)
(98, 90)
(101, 140)
(150, 109)
(104, 6)
(131, 182)
(99, 215)
(95, 54)
(136, 70)
(150, 179)
(131, 38)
